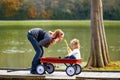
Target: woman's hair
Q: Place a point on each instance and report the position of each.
(75, 42)
(58, 33)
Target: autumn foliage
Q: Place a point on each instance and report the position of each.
(45, 14)
(32, 13)
(11, 6)
(55, 9)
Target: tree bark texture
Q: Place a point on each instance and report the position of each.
(99, 52)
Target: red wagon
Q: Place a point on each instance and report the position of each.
(72, 65)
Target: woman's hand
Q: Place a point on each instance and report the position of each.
(47, 45)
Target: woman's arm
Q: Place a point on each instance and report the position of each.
(46, 41)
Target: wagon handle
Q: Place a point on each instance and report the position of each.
(68, 49)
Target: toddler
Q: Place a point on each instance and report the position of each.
(75, 52)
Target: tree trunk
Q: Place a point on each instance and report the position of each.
(99, 52)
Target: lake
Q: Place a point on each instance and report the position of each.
(17, 52)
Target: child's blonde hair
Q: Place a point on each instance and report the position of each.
(75, 42)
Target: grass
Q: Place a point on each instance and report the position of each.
(113, 66)
(112, 23)
(55, 23)
(47, 23)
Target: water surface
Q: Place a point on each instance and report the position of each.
(17, 52)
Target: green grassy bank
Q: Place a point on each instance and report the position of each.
(55, 23)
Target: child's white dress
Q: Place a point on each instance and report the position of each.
(75, 53)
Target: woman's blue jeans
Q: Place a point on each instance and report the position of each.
(39, 52)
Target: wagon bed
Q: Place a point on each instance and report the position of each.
(60, 60)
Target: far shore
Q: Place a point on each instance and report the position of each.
(55, 22)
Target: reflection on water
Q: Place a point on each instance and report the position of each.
(17, 52)
(14, 50)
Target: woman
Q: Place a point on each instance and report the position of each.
(40, 38)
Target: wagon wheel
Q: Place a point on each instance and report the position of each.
(40, 69)
(70, 70)
(78, 69)
(50, 68)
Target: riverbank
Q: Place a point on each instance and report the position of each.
(55, 22)
(49, 22)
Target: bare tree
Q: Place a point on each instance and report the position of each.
(99, 51)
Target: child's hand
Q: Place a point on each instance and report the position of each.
(69, 50)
